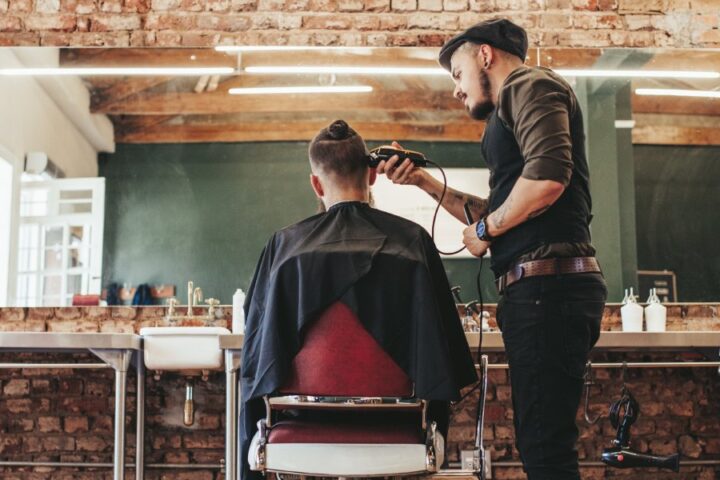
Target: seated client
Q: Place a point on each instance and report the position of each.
(384, 268)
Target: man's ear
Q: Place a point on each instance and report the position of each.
(485, 55)
(317, 185)
(373, 177)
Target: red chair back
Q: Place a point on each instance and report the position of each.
(340, 358)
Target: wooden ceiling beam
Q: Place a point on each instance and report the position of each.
(674, 135)
(220, 102)
(675, 105)
(264, 132)
(122, 89)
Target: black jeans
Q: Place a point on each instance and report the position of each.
(549, 324)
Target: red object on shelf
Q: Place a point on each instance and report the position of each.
(85, 300)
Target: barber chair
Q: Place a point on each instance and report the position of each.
(346, 410)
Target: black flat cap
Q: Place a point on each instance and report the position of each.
(499, 33)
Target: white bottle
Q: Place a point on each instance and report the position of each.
(631, 314)
(655, 313)
(238, 314)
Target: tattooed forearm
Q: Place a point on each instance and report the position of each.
(479, 206)
(538, 212)
(498, 216)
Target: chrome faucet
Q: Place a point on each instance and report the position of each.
(195, 296)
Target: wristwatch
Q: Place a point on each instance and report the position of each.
(482, 231)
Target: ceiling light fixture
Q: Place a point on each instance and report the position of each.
(292, 90)
(678, 92)
(109, 71)
(636, 73)
(347, 70)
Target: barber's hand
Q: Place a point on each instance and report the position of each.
(401, 171)
(474, 245)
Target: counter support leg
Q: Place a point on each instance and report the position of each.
(120, 361)
(232, 364)
(140, 419)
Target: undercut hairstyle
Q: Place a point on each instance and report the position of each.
(339, 152)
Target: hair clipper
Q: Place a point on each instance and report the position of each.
(380, 154)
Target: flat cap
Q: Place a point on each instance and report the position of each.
(499, 33)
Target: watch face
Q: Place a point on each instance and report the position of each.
(480, 230)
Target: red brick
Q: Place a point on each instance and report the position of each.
(10, 445)
(76, 424)
(12, 314)
(20, 5)
(84, 404)
(393, 22)
(48, 424)
(102, 424)
(170, 21)
(105, 23)
(124, 313)
(327, 22)
(351, 6)
(70, 386)
(403, 5)
(430, 5)
(92, 443)
(57, 444)
(208, 422)
(377, 5)
(19, 39)
(41, 386)
(68, 313)
(202, 440)
(139, 6)
(177, 457)
(19, 405)
(16, 388)
(243, 5)
(20, 424)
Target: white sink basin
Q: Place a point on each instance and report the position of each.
(182, 348)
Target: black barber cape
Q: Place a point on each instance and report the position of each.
(385, 269)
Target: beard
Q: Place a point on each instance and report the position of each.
(482, 110)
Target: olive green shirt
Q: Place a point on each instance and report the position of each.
(536, 104)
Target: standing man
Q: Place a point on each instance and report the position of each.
(536, 224)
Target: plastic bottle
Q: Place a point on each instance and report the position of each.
(631, 314)
(238, 314)
(655, 313)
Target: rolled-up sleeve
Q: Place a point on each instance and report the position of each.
(537, 107)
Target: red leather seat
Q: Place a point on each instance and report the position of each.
(340, 358)
(298, 431)
(353, 409)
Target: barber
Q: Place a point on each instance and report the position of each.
(536, 225)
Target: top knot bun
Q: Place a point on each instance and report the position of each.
(339, 130)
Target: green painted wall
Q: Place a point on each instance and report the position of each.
(203, 212)
(678, 216)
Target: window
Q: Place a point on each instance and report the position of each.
(59, 241)
(6, 225)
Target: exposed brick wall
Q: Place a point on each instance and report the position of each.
(66, 415)
(567, 23)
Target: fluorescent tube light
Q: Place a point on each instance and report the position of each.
(636, 73)
(678, 92)
(348, 70)
(291, 90)
(125, 71)
(624, 123)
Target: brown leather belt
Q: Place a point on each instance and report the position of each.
(547, 266)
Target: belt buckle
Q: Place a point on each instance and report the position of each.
(501, 282)
(519, 272)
